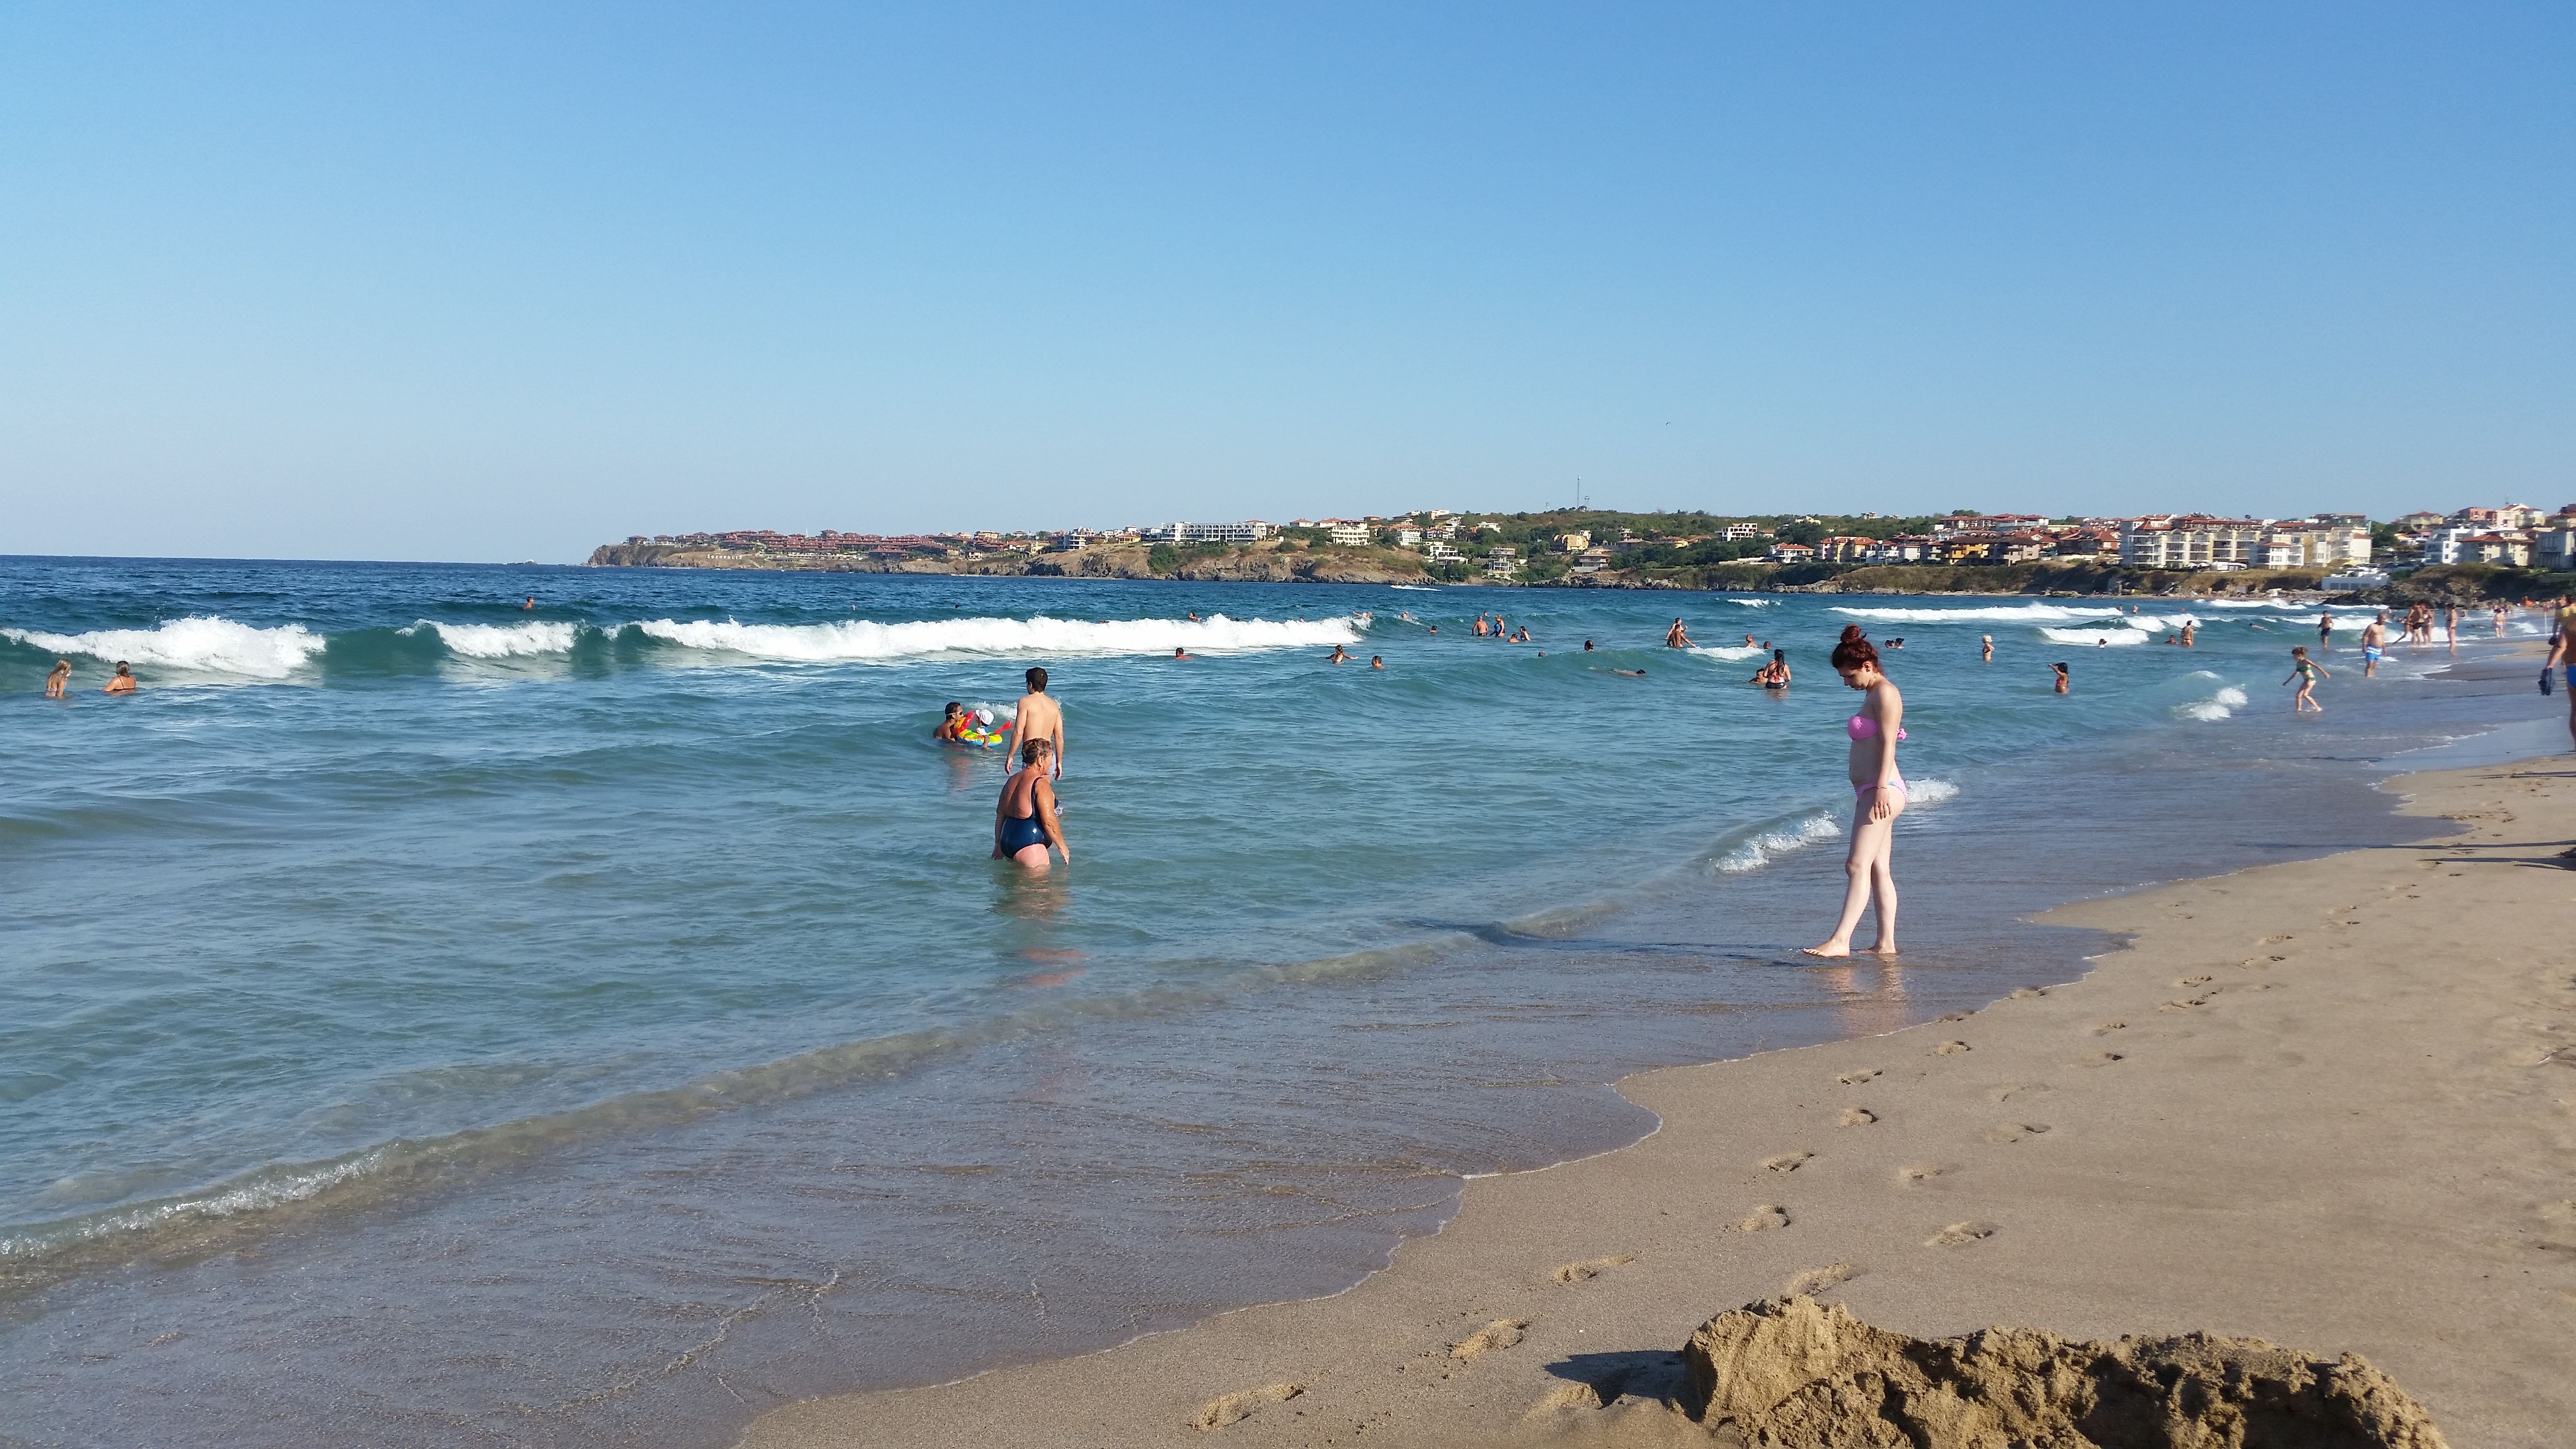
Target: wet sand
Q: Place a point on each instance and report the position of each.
(2330, 1103)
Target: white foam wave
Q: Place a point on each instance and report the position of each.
(1986, 613)
(1417, 588)
(1756, 603)
(1929, 792)
(1762, 849)
(2218, 706)
(199, 644)
(2098, 635)
(1729, 651)
(500, 641)
(2153, 622)
(864, 641)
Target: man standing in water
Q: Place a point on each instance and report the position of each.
(1677, 637)
(1039, 719)
(2374, 642)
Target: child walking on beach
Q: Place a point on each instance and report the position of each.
(2307, 671)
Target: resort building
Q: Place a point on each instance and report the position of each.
(1439, 551)
(1501, 562)
(1248, 531)
(1790, 553)
(1737, 532)
(1346, 532)
(2193, 541)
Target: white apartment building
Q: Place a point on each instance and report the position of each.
(1251, 530)
(2310, 544)
(1405, 536)
(1502, 560)
(2194, 541)
(1440, 551)
(2554, 548)
(1735, 532)
(1342, 531)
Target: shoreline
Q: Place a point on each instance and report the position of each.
(2332, 1140)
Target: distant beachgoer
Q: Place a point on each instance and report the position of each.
(2061, 677)
(1986, 655)
(1340, 656)
(2562, 652)
(1523, 636)
(2451, 627)
(2307, 672)
(59, 680)
(1748, 641)
(1879, 797)
(1774, 675)
(2374, 642)
(2187, 626)
(1435, 628)
(1376, 662)
(530, 604)
(1677, 637)
(953, 722)
(2499, 621)
(1039, 719)
(2325, 632)
(1180, 653)
(1631, 673)
(1024, 819)
(1480, 626)
(1587, 646)
(1194, 616)
(122, 682)
(2168, 639)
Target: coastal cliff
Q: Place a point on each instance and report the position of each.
(1264, 563)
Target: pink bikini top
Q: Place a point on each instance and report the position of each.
(1862, 727)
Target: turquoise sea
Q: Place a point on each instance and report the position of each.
(434, 1021)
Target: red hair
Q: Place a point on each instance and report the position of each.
(1855, 651)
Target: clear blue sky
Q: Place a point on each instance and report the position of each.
(500, 281)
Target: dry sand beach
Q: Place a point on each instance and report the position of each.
(2330, 1104)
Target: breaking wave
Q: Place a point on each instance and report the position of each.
(1756, 603)
(1986, 613)
(499, 641)
(1729, 651)
(2098, 635)
(1770, 845)
(200, 644)
(864, 641)
(2218, 706)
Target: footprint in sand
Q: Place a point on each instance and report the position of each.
(2100, 1059)
(1956, 1015)
(2105, 1028)
(1787, 1161)
(2195, 981)
(1949, 1049)
(1914, 1173)
(2025, 993)
(1857, 1117)
(1501, 1333)
(2016, 1131)
(1957, 1233)
(1855, 1078)
(1764, 1218)
(1236, 1407)
(1817, 1280)
(1572, 1273)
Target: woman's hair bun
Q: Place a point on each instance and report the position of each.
(1852, 632)
(1855, 650)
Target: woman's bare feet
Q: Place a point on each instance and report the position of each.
(1829, 951)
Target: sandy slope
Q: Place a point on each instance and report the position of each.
(2331, 1104)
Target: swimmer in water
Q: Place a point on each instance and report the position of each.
(122, 682)
(1376, 662)
(1523, 636)
(1587, 646)
(59, 680)
(1987, 654)
(1340, 656)
(1879, 796)
(953, 722)
(1180, 653)
(2187, 626)
(2061, 677)
(1039, 719)
(1748, 641)
(1024, 819)
(1677, 637)
(1774, 675)
(530, 604)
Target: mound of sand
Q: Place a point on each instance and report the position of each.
(1790, 1373)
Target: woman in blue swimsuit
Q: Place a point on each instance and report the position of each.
(1024, 820)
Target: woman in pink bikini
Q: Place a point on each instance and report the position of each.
(1879, 795)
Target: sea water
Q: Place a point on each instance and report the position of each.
(436, 1021)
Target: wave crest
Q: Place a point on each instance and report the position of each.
(865, 641)
(500, 641)
(198, 644)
